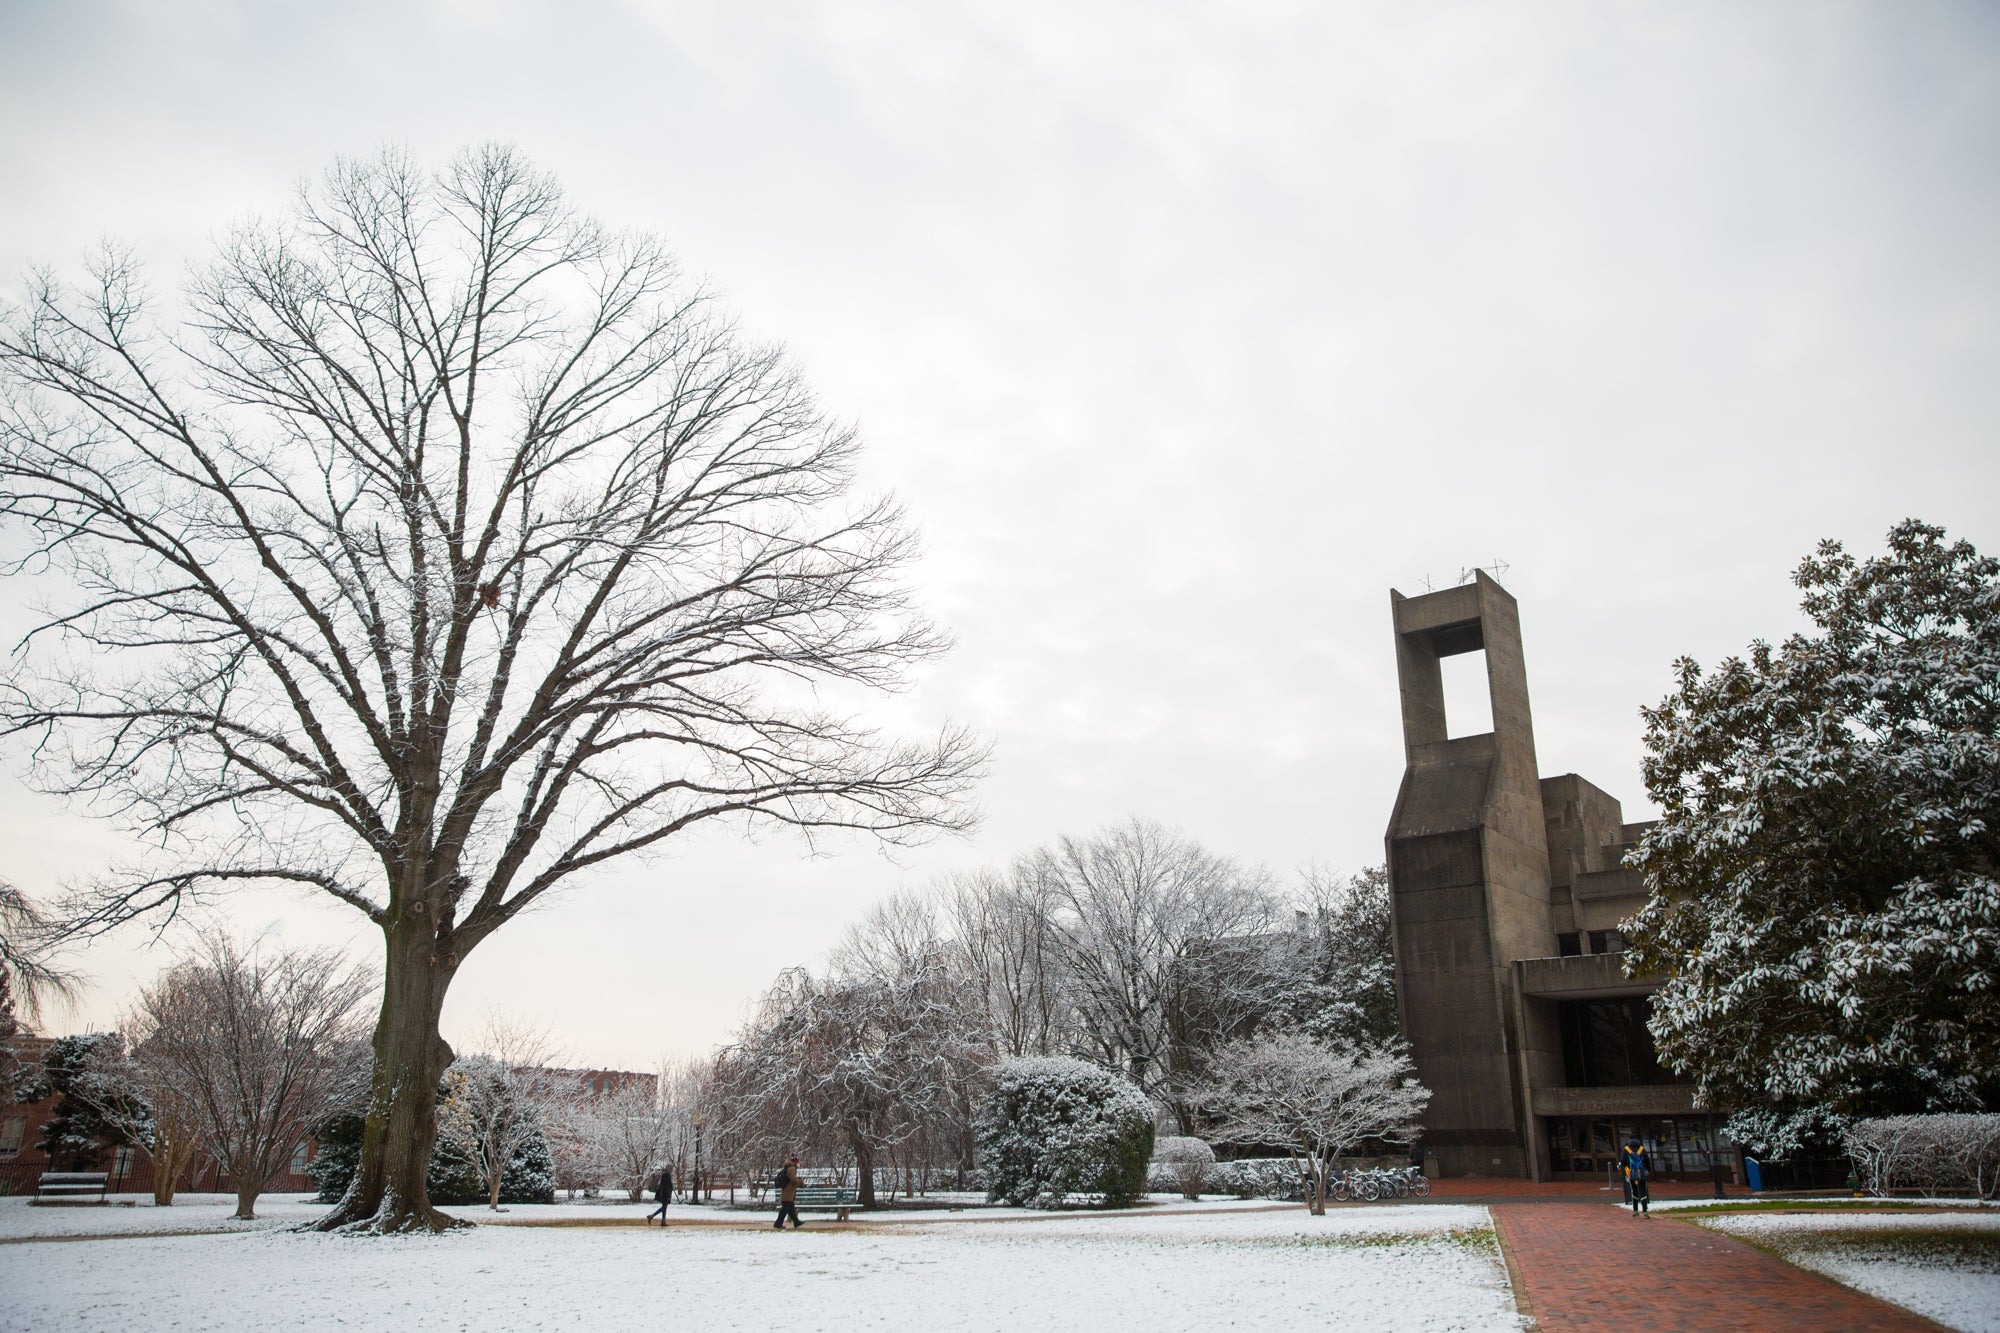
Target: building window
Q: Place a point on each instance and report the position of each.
(12, 1130)
(1606, 1045)
(299, 1159)
(121, 1164)
(1606, 941)
(1570, 945)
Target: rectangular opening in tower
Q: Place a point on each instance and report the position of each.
(1468, 699)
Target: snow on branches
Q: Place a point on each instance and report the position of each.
(1288, 1089)
(1823, 902)
(1932, 1153)
(1057, 1128)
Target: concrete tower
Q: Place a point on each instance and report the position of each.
(1469, 876)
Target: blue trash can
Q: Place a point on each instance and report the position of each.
(1754, 1174)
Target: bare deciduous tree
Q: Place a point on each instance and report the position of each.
(1317, 1101)
(261, 1043)
(1164, 950)
(452, 547)
(1003, 924)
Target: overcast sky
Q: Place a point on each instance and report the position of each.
(1185, 332)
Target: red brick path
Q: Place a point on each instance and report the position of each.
(1594, 1268)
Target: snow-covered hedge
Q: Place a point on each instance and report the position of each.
(1180, 1165)
(1057, 1128)
(1937, 1154)
(1259, 1178)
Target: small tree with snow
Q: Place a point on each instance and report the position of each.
(500, 1098)
(1317, 1101)
(1057, 1128)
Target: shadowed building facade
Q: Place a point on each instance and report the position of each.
(1507, 888)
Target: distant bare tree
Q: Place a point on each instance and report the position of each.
(1003, 924)
(1317, 1101)
(1164, 949)
(261, 1043)
(634, 1131)
(453, 546)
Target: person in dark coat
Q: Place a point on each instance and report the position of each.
(663, 1194)
(1638, 1166)
(787, 1181)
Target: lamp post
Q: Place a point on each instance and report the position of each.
(694, 1182)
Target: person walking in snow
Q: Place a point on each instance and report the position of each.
(1637, 1168)
(787, 1181)
(663, 1193)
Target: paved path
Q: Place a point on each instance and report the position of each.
(1593, 1268)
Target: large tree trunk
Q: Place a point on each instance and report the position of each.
(389, 1192)
(246, 1204)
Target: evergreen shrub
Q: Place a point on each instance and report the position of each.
(1057, 1129)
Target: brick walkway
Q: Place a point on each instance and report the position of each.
(1592, 1268)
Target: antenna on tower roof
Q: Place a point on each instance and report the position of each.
(1496, 569)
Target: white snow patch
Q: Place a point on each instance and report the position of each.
(1943, 1265)
(135, 1214)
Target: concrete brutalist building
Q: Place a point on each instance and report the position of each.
(1508, 888)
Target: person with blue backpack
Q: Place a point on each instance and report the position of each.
(1638, 1167)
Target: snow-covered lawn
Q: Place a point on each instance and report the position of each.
(1944, 1265)
(1430, 1268)
(190, 1212)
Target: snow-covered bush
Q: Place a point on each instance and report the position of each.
(1933, 1153)
(1181, 1165)
(1057, 1128)
(1260, 1178)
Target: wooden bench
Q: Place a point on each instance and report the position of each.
(71, 1187)
(710, 1184)
(827, 1198)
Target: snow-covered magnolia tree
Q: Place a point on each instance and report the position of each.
(262, 1043)
(98, 1100)
(1316, 1100)
(1823, 896)
(443, 546)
